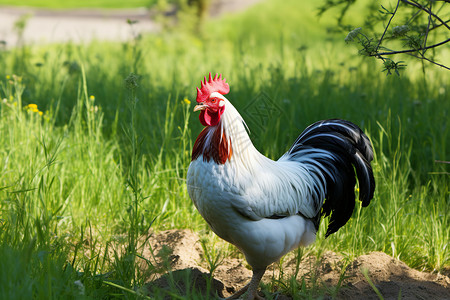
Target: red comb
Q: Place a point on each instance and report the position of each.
(216, 84)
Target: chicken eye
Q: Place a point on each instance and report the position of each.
(213, 100)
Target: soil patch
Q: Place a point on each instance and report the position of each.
(180, 252)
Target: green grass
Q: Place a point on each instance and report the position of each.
(93, 173)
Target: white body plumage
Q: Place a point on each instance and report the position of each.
(238, 198)
(267, 208)
(262, 240)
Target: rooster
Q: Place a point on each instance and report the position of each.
(267, 208)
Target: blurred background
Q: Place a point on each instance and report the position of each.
(82, 21)
(97, 131)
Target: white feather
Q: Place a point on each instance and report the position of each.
(236, 198)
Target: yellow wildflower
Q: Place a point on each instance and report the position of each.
(92, 97)
(41, 113)
(186, 100)
(32, 106)
(8, 77)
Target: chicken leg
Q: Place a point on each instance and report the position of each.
(252, 287)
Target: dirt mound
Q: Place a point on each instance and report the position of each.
(392, 278)
(180, 251)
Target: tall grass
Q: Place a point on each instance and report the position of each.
(102, 164)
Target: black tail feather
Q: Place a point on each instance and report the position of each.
(350, 150)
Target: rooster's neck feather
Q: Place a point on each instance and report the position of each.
(213, 144)
(226, 141)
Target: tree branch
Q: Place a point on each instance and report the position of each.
(426, 34)
(427, 11)
(410, 50)
(387, 26)
(429, 60)
(437, 26)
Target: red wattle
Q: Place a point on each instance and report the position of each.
(202, 118)
(208, 118)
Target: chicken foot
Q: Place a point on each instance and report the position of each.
(251, 287)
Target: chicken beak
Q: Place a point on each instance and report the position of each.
(200, 106)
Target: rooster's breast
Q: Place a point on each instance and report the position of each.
(222, 196)
(213, 189)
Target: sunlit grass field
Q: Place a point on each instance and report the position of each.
(92, 157)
